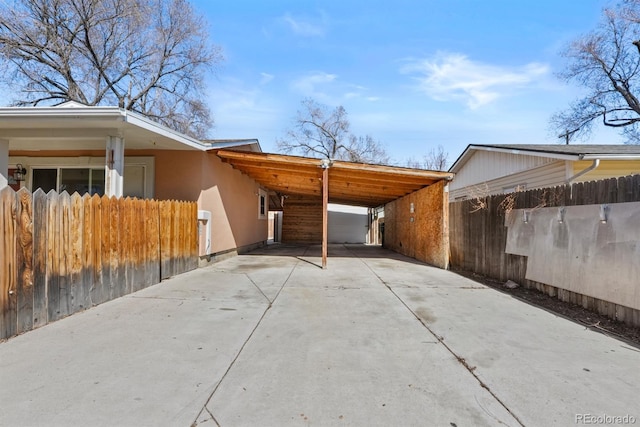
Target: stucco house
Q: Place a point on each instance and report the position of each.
(107, 150)
(483, 170)
(111, 151)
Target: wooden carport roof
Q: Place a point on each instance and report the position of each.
(350, 183)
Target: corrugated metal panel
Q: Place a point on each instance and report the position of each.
(607, 169)
(347, 227)
(545, 176)
(485, 166)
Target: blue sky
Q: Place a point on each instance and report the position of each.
(412, 74)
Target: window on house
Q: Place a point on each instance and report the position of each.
(262, 204)
(71, 180)
(86, 175)
(47, 179)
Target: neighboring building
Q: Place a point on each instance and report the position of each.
(107, 150)
(493, 169)
(347, 224)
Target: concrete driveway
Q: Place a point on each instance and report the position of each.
(270, 339)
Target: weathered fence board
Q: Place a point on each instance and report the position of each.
(65, 292)
(98, 294)
(53, 256)
(24, 261)
(63, 253)
(8, 304)
(40, 224)
(79, 297)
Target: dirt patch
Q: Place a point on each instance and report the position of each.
(576, 313)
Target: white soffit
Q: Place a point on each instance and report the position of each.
(86, 128)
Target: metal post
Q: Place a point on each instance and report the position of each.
(325, 216)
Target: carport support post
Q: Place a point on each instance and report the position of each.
(4, 163)
(114, 170)
(325, 217)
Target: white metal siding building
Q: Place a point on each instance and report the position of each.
(483, 170)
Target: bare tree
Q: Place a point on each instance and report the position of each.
(606, 61)
(324, 133)
(147, 56)
(435, 159)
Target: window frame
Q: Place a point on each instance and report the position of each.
(263, 204)
(85, 162)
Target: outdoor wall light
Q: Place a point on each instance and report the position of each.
(561, 212)
(412, 208)
(604, 212)
(525, 216)
(20, 173)
(326, 163)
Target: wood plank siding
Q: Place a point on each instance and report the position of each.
(302, 220)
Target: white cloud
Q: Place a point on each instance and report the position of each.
(304, 28)
(266, 78)
(453, 76)
(310, 85)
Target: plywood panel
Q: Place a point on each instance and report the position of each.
(416, 225)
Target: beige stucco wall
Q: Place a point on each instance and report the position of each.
(230, 196)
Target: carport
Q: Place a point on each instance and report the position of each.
(415, 200)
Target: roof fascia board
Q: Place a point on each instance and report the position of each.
(44, 112)
(395, 170)
(232, 144)
(611, 156)
(97, 112)
(147, 124)
(468, 152)
(526, 152)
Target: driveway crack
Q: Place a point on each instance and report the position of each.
(460, 359)
(244, 344)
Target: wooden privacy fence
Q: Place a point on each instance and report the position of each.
(478, 236)
(62, 253)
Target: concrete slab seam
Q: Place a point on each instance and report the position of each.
(440, 339)
(244, 344)
(461, 360)
(260, 290)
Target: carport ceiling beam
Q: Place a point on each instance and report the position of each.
(350, 183)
